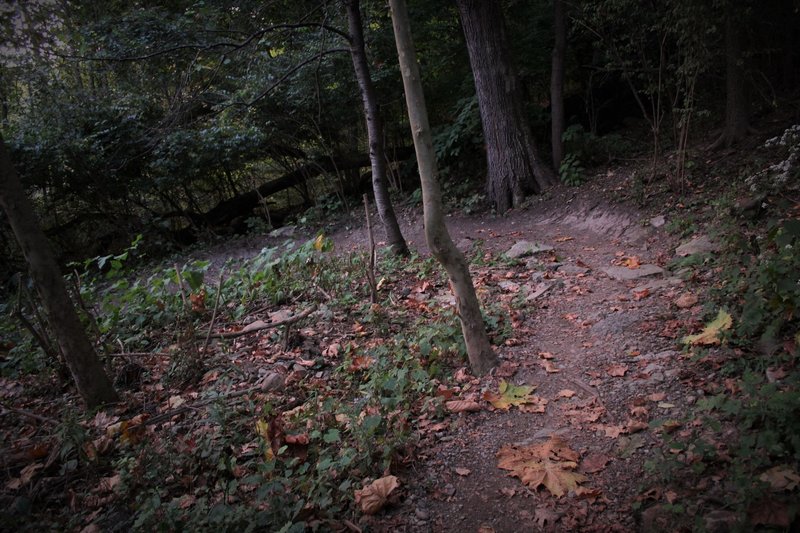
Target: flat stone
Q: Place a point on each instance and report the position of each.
(526, 248)
(573, 270)
(698, 245)
(539, 290)
(658, 284)
(658, 221)
(508, 286)
(285, 231)
(627, 274)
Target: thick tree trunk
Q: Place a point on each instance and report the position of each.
(557, 83)
(737, 124)
(377, 154)
(480, 353)
(514, 166)
(87, 371)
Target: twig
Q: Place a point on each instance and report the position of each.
(291, 320)
(373, 288)
(163, 417)
(40, 418)
(214, 314)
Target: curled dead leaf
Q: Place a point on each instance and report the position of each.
(462, 406)
(463, 471)
(617, 370)
(372, 498)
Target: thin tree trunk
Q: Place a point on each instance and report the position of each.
(737, 124)
(557, 83)
(90, 378)
(514, 165)
(480, 353)
(377, 152)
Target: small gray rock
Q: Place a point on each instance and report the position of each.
(285, 231)
(627, 274)
(526, 248)
(698, 245)
(658, 221)
(573, 270)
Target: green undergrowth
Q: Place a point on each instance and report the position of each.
(738, 449)
(353, 385)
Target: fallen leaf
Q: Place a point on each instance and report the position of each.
(373, 497)
(631, 262)
(360, 362)
(594, 462)
(780, 478)
(656, 396)
(300, 439)
(710, 334)
(546, 355)
(550, 464)
(175, 402)
(25, 476)
(508, 492)
(545, 516)
(639, 295)
(686, 300)
(536, 404)
(187, 500)
(549, 367)
(463, 471)
(564, 239)
(506, 369)
(565, 393)
(509, 394)
(484, 528)
(639, 410)
(770, 513)
(671, 496)
(665, 405)
(614, 431)
(635, 426)
(775, 374)
(462, 406)
(617, 370)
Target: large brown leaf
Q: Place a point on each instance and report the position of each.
(550, 464)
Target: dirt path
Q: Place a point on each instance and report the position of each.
(613, 351)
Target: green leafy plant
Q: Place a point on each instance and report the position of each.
(571, 172)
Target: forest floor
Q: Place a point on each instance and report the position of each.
(572, 432)
(597, 342)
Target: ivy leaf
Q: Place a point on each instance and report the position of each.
(509, 395)
(710, 334)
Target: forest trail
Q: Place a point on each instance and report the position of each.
(595, 335)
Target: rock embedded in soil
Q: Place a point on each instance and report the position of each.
(573, 270)
(627, 274)
(698, 245)
(526, 248)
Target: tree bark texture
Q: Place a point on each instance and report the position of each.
(481, 356)
(737, 124)
(377, 153)
(557, 83)
(90, 377)
(514, 165)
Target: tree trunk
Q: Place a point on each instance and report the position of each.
(481, 356)
(737, 124)
(557, 83)
(87, 371)
(514, 165)
(377, 153)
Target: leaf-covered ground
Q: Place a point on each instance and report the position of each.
(271, 395)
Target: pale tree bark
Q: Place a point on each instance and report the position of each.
(90, 377)
(514, 165)
(737, 123)
(481, 356)
(377, 153)
(557, 83)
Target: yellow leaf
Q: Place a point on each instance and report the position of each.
(319, 242)
(510, 395)
(373, 497)
(710, 334)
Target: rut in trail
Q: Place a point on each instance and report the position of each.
(597, 342)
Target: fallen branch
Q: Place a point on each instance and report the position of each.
(260, 325)
(40, 418)
(270, 382)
